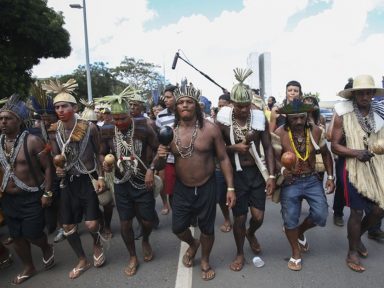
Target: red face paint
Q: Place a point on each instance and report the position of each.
(122, 125)
(66, 116)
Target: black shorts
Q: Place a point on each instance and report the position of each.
(78, 199)
(130, 199)
(190, 202)
(249, 189)
(24, 214)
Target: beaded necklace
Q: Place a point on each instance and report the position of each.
(186, 151)
(240, 132)
(307, 140)
(367, 123)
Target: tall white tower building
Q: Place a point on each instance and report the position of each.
(253, 63)
(265, 74)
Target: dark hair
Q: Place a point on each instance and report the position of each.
(307, 124)
(257, 91)
(295, 83)
(170, 88)
(273, 99)
(225, 97)
(199, 116)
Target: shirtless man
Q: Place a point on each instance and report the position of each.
(135, 140)
(22, 184)
(78, 140)
(244, 129)
(302, 181)
(196, 143)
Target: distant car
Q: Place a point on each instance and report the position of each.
(327, 113)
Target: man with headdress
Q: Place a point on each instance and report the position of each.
(302, 141)
(133, 144)
(76, 149)
(20, 154)
(42, 104)
(195, 145)
(244, 129)
(357, 135)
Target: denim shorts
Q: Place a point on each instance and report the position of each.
(309, 188)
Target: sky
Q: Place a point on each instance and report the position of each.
(320, 43)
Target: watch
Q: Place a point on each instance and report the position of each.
(330, 177)
(48, 194)
(152, 167)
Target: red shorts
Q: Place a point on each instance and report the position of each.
(170, 178)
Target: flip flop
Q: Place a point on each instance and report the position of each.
(76, 272)
(48, 264)
(303, 244)
(207, 273)
(21, 278)
(131, 269)
(362, 250)
(294, 264)
(100, 260)
(6, 262)
(226, 228)
(188, 257)
(355, 266)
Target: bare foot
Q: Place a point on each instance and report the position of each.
(238, 263)
(131, 269)
(255, 246)
(147, 251)
(189, 255)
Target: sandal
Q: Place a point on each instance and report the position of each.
(99, 260)
(354, 263)
(6, 262)
(303, 244)
(236, 265)
(255, 246)
(131, 269)
(48, 264)
(294, 264)
(21, 278)
(189, 256)
(207, 273)
(76, 272)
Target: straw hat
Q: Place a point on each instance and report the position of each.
(361, 82)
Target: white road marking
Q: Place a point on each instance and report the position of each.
(184, 274)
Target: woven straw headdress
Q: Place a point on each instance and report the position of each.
(63, 91)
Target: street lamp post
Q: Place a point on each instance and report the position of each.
(89, 84)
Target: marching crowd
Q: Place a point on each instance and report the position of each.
(61, 167)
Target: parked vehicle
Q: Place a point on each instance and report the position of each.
(327, 113)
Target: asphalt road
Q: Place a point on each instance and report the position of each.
(323, 266)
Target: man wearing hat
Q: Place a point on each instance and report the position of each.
(196, 143)
(303, 140)
(357, 135)
(243, 130)
(133, 144)
(25, 191)
(76, 150)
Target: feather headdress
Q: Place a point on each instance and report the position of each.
(17, 107)
(240, 92)
(40, 101)
(297, 106)
(187, 91)
(63, 91)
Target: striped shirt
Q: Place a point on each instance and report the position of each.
(166, 118)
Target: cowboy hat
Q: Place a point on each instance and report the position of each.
(361, 82)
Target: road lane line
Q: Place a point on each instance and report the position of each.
(184, 274)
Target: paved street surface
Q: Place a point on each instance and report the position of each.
(323, 266)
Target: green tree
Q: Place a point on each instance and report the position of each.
(29, 31)
(102, 80)
(139, 73)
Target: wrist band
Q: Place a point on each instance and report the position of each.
(230, 189)
(272, 177)
(101, 178)
(330, 177)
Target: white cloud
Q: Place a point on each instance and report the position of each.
(321, 52)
